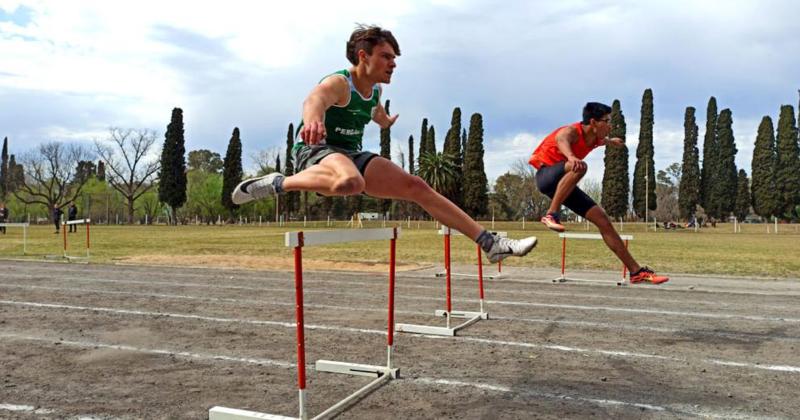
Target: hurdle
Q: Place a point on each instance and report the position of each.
(447, 232)
(448, 313)
(64, 225)
(564, 236)
(383, 374)
(24, 227)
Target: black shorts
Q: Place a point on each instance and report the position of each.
(547, 178)
(304, 156)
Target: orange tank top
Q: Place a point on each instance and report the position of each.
(547, 153)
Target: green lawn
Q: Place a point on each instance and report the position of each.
(710, 251)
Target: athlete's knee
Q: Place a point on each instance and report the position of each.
(348, 185)
(599, 217)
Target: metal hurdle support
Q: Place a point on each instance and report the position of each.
(383, 374)
(64, 225)
(448, 313)
(564, 236)
(24, 227)
(446, 231)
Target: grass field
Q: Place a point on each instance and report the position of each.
(709, 251)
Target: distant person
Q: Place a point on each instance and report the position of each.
(559, 167)
(329, 159)
(57, 213)
(3, 217)
(72, 214)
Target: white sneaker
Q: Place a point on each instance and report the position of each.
(505, 247)
(254, 188)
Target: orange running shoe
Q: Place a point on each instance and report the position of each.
(551, 220)
(647, 275)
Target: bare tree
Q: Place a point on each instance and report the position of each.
(265, 160)
(131, 164)
(49, 174)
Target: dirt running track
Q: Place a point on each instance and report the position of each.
(131, 342)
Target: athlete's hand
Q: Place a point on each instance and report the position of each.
(391, 120)
(313, 133)
(577, 165)
(616, 141)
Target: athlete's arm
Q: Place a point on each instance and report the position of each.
(564, 140)
(333, 90)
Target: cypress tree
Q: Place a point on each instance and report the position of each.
(423, 139)
(411, 155)
(689, 188)
(452, 147)
(16, 175)
(101, 171)
(463, 145)
(172, 179)
(615, 176)
(723, 190)
(787, 168)
(386, 152)
(278, 163)
(742, 207)
(764, 191)
(476, 198)
(4, 170)
(232, 170)
(709, 170)
(645, 161)
(431, 141)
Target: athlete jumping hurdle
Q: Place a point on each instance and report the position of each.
(329, 159)
(559, 167)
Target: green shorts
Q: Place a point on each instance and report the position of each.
(304, 156)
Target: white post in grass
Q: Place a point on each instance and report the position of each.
(523, 222)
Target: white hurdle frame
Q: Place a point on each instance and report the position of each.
(470, 316)
(383, 374)
(64, 225)
(564, 236)
(443, 231)
(24, 227)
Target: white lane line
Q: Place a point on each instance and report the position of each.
(497, 302)
(610, 353)
(419, 380)
(25, 409)
(615, 326)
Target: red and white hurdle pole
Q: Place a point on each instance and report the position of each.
(563, 256)
(88, 222)
(480, 275)
(301, 347)
(447, 275)
(624, 268)
(390, 326)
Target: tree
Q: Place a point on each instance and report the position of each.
(439, 171)
(48, 177)
(452, 147)
(232, 171)
(723, 190)
(787, 167)
(476, 200)
(710, 152)
(4, 175)
(431, 141)
(128, 155)
(411, 169)
(205, 160)
(742, 207)
(463, 145)
(16, 175)
(386, 152)
(689, 190)
(667, 182)
(764, 192)
(203, 194)
(644, 176)
(101, 171)
(172, 174)
(86, 169)
(616, 183)
(423, 139)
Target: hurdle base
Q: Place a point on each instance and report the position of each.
(495, 276)
(224, 413)
(471, 318)
(356, 369)
(462, 314)
(425, 329)
(623, 282)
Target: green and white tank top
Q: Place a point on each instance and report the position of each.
(345, 124)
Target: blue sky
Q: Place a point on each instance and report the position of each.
(71, 70)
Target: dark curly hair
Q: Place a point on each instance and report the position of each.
(365, 37)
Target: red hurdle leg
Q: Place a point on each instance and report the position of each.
(87, 238)
(301, 348)
(447, 269)
(64, 231)
(624, 269)
(390, 327)
(480, 275)
(563, 256)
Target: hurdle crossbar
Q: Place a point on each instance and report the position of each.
(64, 225)
(564, 236)
(383, 374)
(24, 227)
(470, 316)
